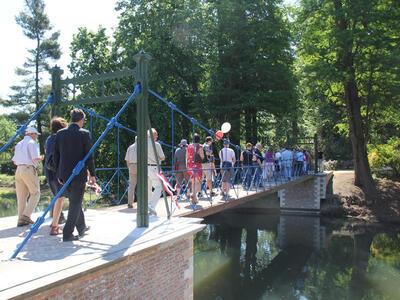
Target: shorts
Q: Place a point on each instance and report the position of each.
(180, 175)
(227, 171)
(207, 170)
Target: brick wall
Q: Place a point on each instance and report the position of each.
(304, 196)
(161, 272)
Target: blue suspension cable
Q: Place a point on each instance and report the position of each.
(22, 129)
(77, 169)
(90, 111)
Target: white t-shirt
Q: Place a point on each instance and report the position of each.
(227, 154)
(26, 151)
(151, 159)
(131, 155)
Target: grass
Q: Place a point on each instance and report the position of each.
(8, 202)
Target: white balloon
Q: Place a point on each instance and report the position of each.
(226, 127)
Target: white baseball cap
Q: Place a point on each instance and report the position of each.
(31, 129)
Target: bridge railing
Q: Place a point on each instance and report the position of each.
(254, 178)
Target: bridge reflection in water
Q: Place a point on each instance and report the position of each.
(253, 256)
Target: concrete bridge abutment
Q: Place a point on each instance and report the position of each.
(305, 196)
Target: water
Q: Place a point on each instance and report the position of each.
(250, 256)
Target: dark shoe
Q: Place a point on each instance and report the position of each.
(22, 223)
(62, 219)
(130, 205)
(71, 238)
(82, 233)
(55, 230)
(213, 194)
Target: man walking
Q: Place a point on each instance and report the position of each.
(26, 158)
(153, 180)
(131, 162)
(71, 146)
(208, 163)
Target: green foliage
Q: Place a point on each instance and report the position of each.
(386, 155)
(387, 248)
(218, 61)
(369, 36)
(7, 130)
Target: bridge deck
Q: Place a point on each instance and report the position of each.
(47, 260)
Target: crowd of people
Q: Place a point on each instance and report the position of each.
(194, 166)
(195, 170)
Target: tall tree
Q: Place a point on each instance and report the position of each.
(349, 52)
(36, 26)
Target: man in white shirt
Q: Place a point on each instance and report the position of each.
(153, 180)
(227, 159)
(26, 158)
(131, 162)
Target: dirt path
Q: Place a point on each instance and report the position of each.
(351, 199)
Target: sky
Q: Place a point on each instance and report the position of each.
(65, 16)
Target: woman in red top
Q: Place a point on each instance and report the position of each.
(194, 158)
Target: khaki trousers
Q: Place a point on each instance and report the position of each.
(132, 182)
(27, 189)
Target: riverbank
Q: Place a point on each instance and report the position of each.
(349, 201)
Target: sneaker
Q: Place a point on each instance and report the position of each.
(130, 205)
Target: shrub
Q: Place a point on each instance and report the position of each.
(7, 130)
(386, 156)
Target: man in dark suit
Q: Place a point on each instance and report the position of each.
(71, 146)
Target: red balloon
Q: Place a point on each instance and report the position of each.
(219, 135)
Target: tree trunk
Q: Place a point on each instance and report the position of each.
(363, 177)
(247, 126)
(37, 100)
(254, 125)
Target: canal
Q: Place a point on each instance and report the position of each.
(253, 256)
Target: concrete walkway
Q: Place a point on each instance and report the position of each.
(46, 259)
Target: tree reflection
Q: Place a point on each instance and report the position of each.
(246, 262)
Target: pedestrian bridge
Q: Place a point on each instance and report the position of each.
(300, 195)
(116, 258)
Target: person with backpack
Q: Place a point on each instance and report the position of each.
(194, 159)
(246, 157)
(56, 124)
(208, 163)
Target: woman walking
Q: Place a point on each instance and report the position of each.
(56, 124)
(194, 159)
